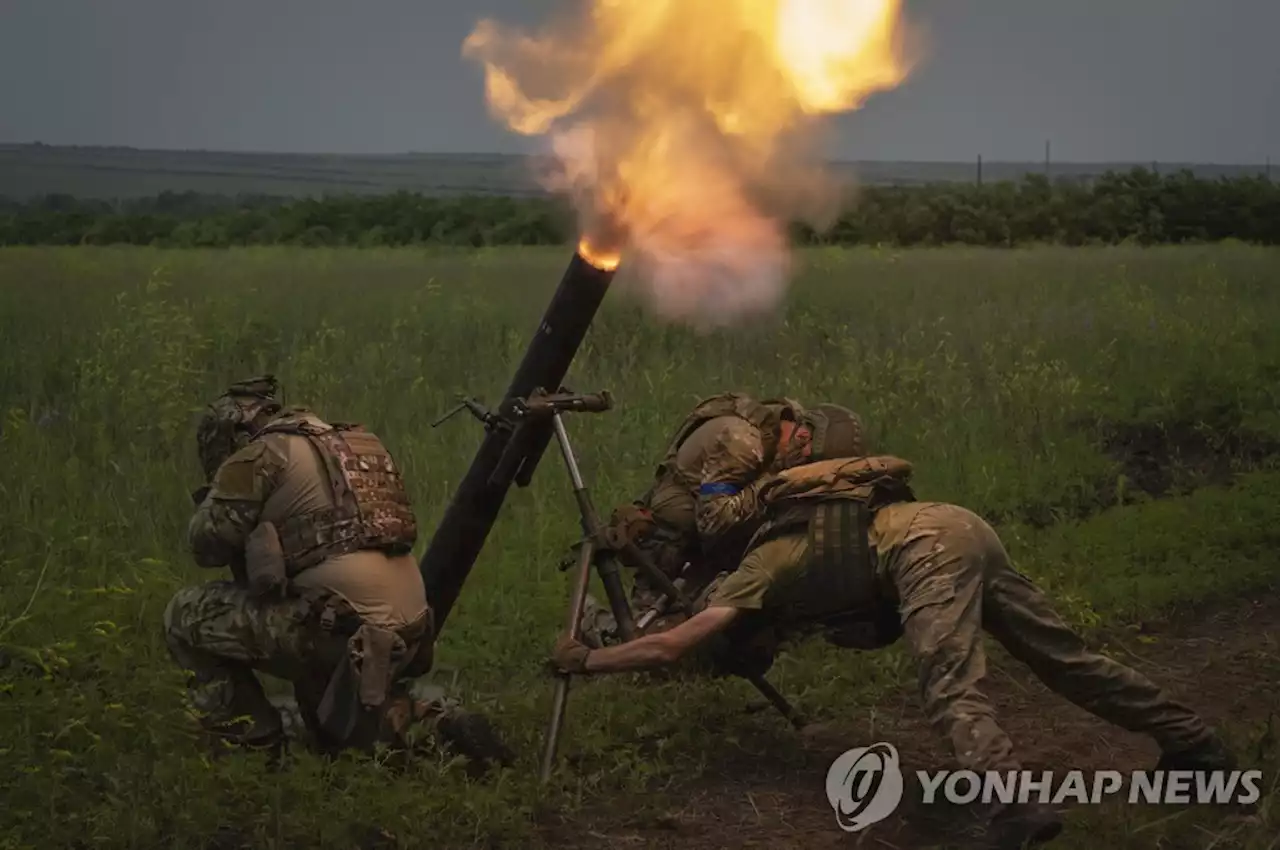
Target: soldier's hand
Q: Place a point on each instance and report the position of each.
(569, 656)
(627, 524)
(570, 558)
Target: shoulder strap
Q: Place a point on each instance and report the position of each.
(302, 423)
(763, 417)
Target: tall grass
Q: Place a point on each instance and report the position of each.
(995, 373)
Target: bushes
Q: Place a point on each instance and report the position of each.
(1138, 206)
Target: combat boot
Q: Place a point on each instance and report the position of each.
(474, 736)
(1020, 825)
(1212, 754)
(412, 721)
(273, 745)
(1208, 756)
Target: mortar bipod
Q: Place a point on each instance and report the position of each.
(589, 555)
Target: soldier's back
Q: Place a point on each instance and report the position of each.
(384, 589)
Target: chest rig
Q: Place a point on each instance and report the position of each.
(371, 508)
(835, 502)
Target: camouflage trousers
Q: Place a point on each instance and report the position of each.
(223, 636)
(952, 579)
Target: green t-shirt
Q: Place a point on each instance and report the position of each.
(769, 577)
(762, 581)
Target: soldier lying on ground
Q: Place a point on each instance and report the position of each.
(697, 517)
(315, 522)
(845, 549)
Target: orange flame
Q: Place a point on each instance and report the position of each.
(682, 130)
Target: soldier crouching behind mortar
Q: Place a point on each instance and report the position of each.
(317, 527)
(695, 519)
(842, 547)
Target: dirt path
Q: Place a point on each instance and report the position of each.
(1224, 662)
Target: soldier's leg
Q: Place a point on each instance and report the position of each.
(418, 713)
(937, 571)
(221, 634)
(1020, 616)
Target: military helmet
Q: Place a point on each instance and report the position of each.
(232, 419)
(787, 408)
(836, 433)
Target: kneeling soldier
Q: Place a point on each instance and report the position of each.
(317, 527)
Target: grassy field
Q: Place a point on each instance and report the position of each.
(1058, 391)
(92, 172)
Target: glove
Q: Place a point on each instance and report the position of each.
(569, 656)
(627, 524)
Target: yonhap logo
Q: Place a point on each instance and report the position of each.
(864, 786)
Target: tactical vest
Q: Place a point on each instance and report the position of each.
(835, 500)
(766, 416)
(371, 505)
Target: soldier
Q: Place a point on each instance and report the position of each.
(846, 549)
(696, 517)
(317, 527)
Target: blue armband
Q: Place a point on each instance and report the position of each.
(723, 489)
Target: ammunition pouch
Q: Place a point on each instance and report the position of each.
(351, 711)
(265, 571)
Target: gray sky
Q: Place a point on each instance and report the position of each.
(1136, 80)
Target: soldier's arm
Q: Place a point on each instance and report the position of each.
(663, 648)
(731, 480)
(233, 505)
(731, 597)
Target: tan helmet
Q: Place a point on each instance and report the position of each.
(835, 432)
(233, 418)
(788, 408)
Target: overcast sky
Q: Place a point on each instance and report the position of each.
(1135, 80)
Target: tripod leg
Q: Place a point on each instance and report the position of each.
(611, 576)
(778, 701)
(561, 698)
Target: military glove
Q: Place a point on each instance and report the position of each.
(570, 656)
(628, 524)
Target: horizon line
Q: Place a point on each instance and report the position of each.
(410, 153)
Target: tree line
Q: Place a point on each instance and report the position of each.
(1139, 206)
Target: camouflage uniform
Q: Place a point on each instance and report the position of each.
(941, 572)
(349, 625)
(703, 506)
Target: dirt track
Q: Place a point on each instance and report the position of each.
(1225, 662)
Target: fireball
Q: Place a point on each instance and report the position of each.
(685, 131)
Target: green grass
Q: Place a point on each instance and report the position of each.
(993, 372)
